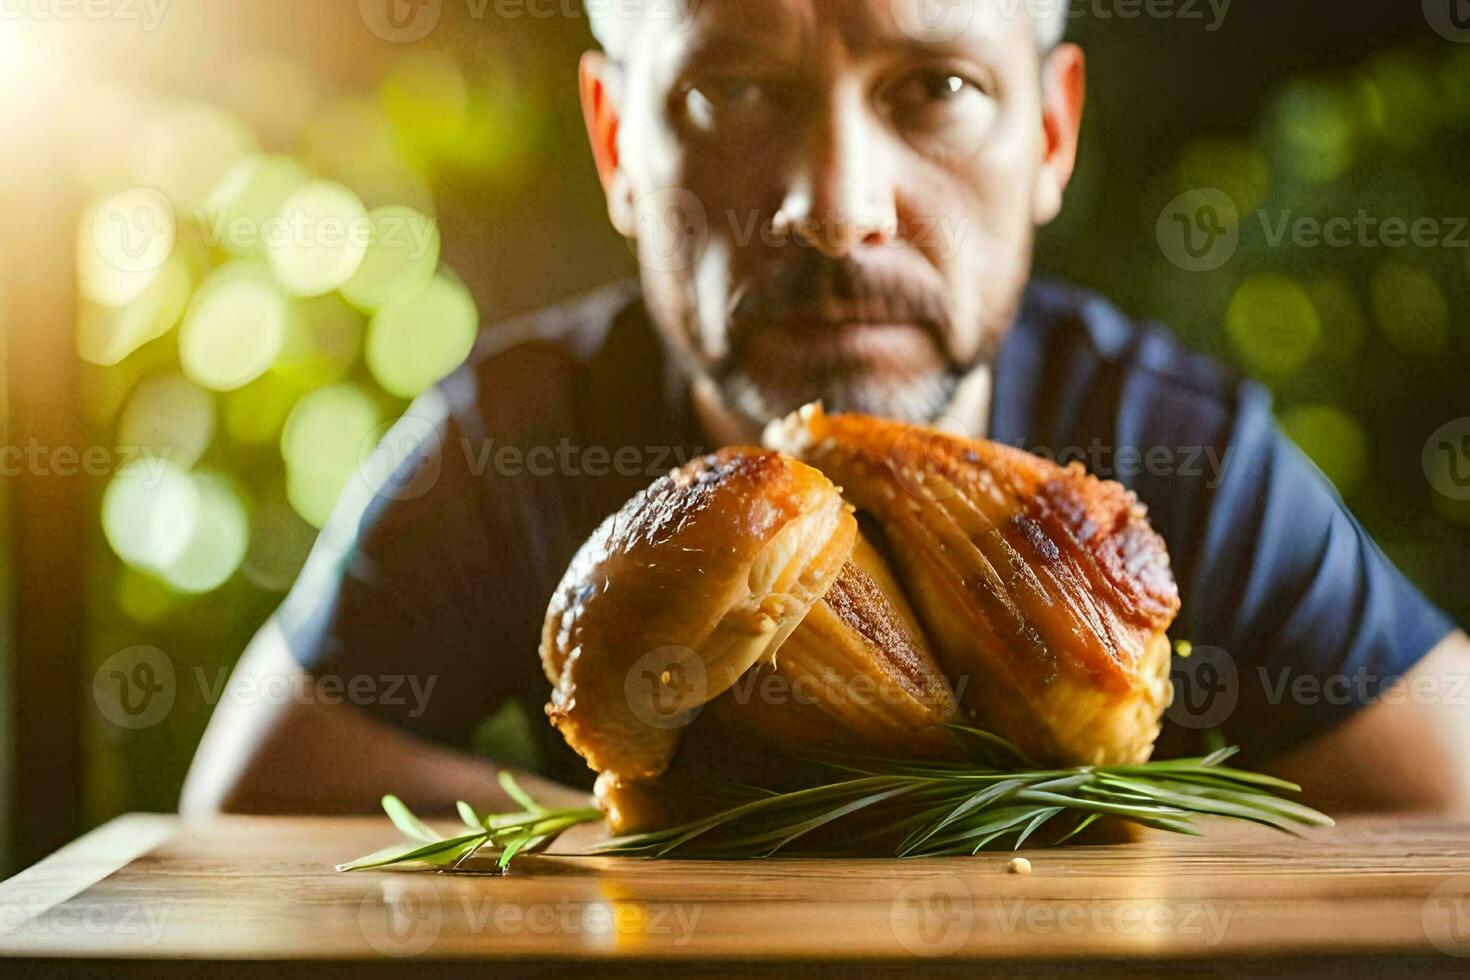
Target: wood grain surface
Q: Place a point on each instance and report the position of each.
(145, 893)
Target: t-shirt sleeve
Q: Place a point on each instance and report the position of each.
(409, 605)
(1296, 616)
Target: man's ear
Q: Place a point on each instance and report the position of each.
(599, 91)
(1063, 92)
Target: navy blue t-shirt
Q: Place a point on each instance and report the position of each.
(434, 573)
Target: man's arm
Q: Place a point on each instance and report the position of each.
(1409, 750)
(292, 757)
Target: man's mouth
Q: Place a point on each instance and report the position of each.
(813, 299)
(798, 343)
(870, 327)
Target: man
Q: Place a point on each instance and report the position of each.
(830, 199)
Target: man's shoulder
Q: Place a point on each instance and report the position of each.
(1073, 321)
(572, 330)
(1090, 351)
(528, 365)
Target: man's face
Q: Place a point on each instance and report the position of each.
(830, 199)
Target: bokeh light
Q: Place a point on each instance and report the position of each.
(353, 141)
(168, 417)
(251, 193)
(255, 414)
(323, 340)
(148, 513)
(105, 390)
(143, 597)
(318, 238)
(444, 123)
(1399, 99)
(1333, 439)
(234, 328)
(1313, 130)
(1411, 309)
(426, 100)
(123, 243)
(270, 263)
(504, 124)
(108, 334)
(217, 540)
(1233, 166)
(1454, 83)
(1272, 324)
(351, 135)
(326, 437)
(415, 341)
(186, 147)
(400, 260)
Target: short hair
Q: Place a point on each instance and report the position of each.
(613, 21)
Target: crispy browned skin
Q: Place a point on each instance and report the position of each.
(695, 580)
(737, 595)
(857, 675)
(1044, 590)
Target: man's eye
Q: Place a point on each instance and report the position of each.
(943, 105)
(733, 101)
(922, 88)
(741, 92)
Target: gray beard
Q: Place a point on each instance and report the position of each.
(914, 400)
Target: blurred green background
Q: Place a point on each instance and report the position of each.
(474, 134)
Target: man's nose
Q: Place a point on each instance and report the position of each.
(840, 196)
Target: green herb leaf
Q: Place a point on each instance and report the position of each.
(997, 798)
(900, 807)
(409, 855)
(520, 796)
(469, 816)
(513, 848)
(405, 821)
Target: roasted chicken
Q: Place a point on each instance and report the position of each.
(1044, 590)
(735, 602)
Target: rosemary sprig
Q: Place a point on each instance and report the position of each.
(510, 833)
(876, 806)
(929, 809)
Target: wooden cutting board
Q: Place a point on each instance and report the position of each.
(155, 894)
